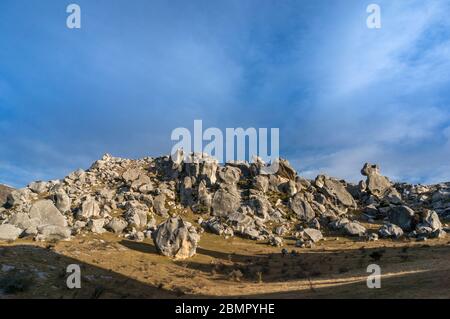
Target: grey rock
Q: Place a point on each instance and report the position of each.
(281, 230)
(353, 229)
(96, 225)
(336, 190)
(62, 201)
(302, 208)
(389, 230)
(401, 216)
(89, 209)
(23, 221)
(286, 170)
(372, 237)
(53, 232)
(131, 174)
(275, 241)
(187, 192)
(313, 234)
(431, 219)
(216, 226)
(137, 218)
(4, 192)
(225, 201)
(204, 199)
(209, 170)
(117, 225)
(176, 238)
(18, 197)
(439, 233)
(140, 182)
(261, 183)
(38, 187)
(229, 175)
(45, 212)
(261, 206)
(9, 232)
(376, 183)
(159, 204)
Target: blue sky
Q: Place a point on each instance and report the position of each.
(341, 94)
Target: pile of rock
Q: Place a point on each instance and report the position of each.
(126, 197)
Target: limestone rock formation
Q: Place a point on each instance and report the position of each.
(176, 238)
(124, 196)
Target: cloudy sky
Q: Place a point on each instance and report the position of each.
(341, 94)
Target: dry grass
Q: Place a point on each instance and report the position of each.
(117, 268)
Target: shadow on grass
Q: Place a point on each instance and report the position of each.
(36, 272)
(332, 266)
(32, 271)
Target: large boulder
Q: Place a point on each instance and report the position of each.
(354, 229)
(18, 197)
(53, 232)
(376, 184)
(261, 206)
(62, 201)
(23, 221)
(302, 208)
(431, 219)
(137, 217)
(9, 232)
(229, 175)
(89, 209)
(348, 227)
(209, 170)
(336, 190)
(225, 201)
(187, 191)
(45, 213)
(204, 199)
(216, 226)
(261, 183)
(402, 216)
(39, 187)
(142, 184)
(117, 225)
(176, 238)
(159, 205)
(389, 230)
(4, 192)
(131, 174)
(286, 170)
(312, 234)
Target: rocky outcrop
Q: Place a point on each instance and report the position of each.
(243, 199)
(376, 184)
